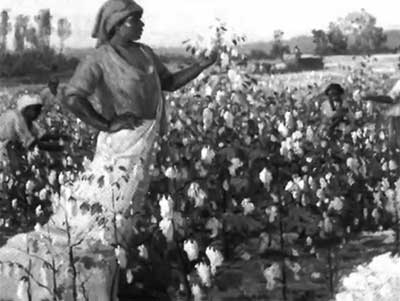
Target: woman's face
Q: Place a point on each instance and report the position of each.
(132, 28)
(335, 95)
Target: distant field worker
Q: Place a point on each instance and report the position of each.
(335, 110)
(19, 125)
(392, 98)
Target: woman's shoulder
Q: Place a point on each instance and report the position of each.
(147, 48)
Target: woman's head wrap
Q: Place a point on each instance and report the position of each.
(27, 100)
(110, 14)
(334, 87)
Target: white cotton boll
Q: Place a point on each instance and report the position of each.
(192, 249)
(248, 206)
(200, 198)
(29, 187)
(39, 211)
(203, 270)
(224, 60)
(283, 130)
(208, 91)
(297, 135)
(166, 207)
(290, 186)
(129, 276)
(295, 268)
(167, 229)
(179, 125)
(309, 134)
(272, 213)
(327, 225)
(392, 165)
(214, 225)
(207, 155)
(14, 203)
(119, 221)
(196, 292)
(43, 194)
(22, 290)
(208, 118)
(271, 274)
(216, 258)
(309, 241)
(358, 115)
(171, 172)
(229, 118)
(72, 207)
(336, 204)
(122, 259)
(265, 177)
(193, 190)
(143, 252)
(38, 227)
(61, 178)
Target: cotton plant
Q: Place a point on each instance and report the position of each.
(377, 280)
(220, 38)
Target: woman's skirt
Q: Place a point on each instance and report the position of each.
(92, 215)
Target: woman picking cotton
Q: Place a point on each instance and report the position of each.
(127, 78)
(19, 125)
(393, 112)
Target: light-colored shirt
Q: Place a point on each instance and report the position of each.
(119, 86)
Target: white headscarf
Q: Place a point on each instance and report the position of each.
(27, 100)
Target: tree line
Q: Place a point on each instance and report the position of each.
(356, 33)
(36, 34)
(32, 54)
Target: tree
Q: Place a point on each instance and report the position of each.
(364, 36)
(32, 38)
(278, 48)
(337, 39)
(43, 20)
(63, 31)
(20, 32)
(320, 39)
(5, 28)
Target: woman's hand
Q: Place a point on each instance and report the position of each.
(126, 121)
(209, 60)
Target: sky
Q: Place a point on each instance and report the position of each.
(169, 22)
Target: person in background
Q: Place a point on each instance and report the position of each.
(393, 112)
(335, 110)
(19, 125)
(51, 95)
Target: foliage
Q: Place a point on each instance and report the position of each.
(63, 31)
(354, 34)
(278, 48)
(34, 62)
